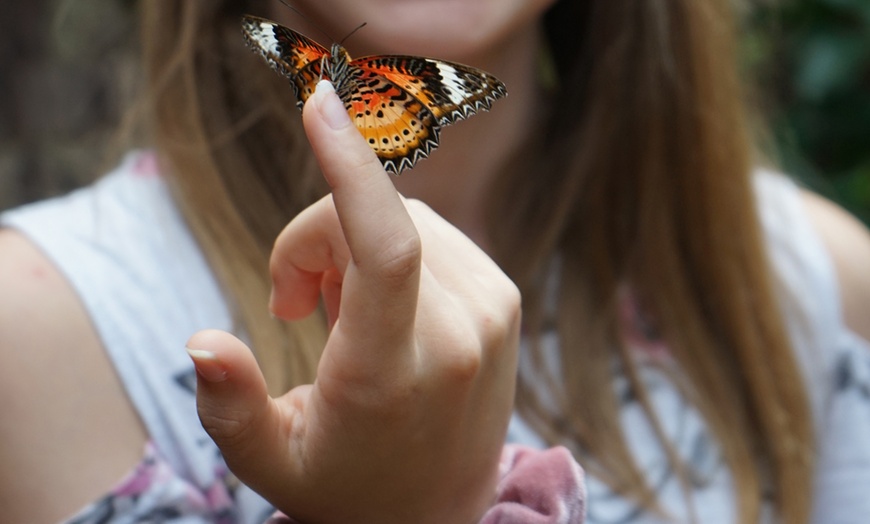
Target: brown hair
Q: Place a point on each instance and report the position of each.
(642, 177)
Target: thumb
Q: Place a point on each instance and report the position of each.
(233, 402)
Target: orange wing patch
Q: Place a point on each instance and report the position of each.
(398, 127)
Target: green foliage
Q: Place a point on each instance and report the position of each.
(812, 58)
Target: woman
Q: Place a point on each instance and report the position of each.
(682, 325)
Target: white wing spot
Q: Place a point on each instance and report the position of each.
(454, 88)
(264, 35)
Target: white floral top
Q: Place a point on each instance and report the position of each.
(124, 233)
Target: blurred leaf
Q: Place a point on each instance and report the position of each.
(813, 60)
(860, 7)
(827, 62)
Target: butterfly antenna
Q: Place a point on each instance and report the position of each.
(310, 21)
(351, 33)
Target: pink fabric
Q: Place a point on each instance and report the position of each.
(536, 487)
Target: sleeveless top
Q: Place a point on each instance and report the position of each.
(137, 269)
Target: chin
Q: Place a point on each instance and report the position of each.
(448, 42)
(446, 29)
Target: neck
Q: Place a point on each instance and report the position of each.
(456, 178)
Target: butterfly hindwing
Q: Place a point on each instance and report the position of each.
(398, 103)
(398, 127)
(305, 81)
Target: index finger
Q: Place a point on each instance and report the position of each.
(382, 278)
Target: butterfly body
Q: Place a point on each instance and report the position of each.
(399, 103)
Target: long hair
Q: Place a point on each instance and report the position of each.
(640, 176)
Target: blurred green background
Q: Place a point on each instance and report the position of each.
(812, 61)
(68, 69)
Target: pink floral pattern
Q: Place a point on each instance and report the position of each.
(153, 492)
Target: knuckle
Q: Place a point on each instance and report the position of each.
(495, 333)
(232, 431)
(499, 327)
(464, 366)
(513, 299)
(401, 260)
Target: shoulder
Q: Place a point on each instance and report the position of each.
(848, 242)
(66, 415)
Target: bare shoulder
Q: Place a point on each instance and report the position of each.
(67, 421)
(848, 242)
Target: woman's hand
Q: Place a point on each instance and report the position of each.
(406, 419)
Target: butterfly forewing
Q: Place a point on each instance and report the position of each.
(449, 90)
(290, 53)
(398, 103)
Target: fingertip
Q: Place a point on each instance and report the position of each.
(204, 349)
(328, 105)
(323, 87)
(207, 365)
(344, 156)
(219, 356)
(211, 343)
(205, 339)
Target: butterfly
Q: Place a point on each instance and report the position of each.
(398, 103)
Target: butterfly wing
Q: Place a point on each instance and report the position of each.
(401, 102)
(290, 53)
(451, 91)
(399, 128)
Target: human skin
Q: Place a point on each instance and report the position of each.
(447, 29)
(416, 384)
(431, 182)
(65, 409)
(499, 36)
(415, 387)
(448, 468)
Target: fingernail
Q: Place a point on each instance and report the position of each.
(331, 107)
(272, 303)
(207, 365)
